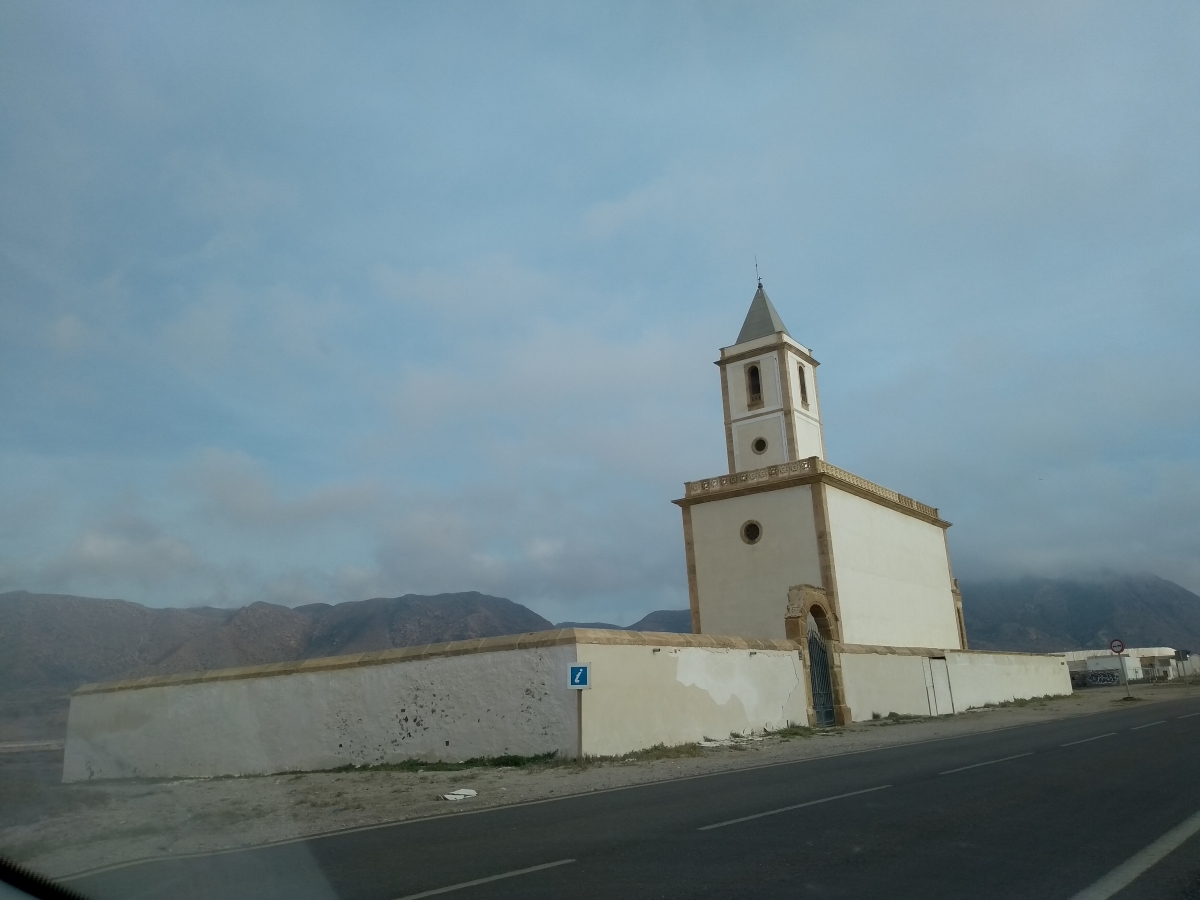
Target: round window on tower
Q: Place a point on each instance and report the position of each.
(759, 445)
(752, 532)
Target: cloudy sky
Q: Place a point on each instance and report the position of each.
(310, 302)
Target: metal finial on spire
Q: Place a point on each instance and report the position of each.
(756, 275)
(762, 319)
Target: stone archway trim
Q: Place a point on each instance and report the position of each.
(802, 599)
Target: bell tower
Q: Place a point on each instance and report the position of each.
(769, 393)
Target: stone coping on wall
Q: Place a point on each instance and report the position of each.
(530, 640)
(799, 472)
(932, 652)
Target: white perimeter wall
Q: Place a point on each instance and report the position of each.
(893, 575)
(447, 708)
(742, 588)
(878, 683)
(917, 685)
(682, 694)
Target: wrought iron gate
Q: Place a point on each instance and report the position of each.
(822, 685)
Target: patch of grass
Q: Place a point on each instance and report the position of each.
(1026, 701)
(658, 751)
(793, 731)
(541, 761)
(507, 761)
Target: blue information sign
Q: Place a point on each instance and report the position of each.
(579, 676)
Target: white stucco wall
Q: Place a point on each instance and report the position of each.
(981, 678)
(893, 575)
(457, 707)
(644, 695)
(903, 683)
(647, 690)
(742, 588)
(808, 437)
(877, 683)
(770, 428)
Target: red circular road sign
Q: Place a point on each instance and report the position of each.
(1116, 646)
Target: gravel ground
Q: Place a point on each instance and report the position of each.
(61, 829)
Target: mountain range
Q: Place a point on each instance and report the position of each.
(55, 642)
(59, 641)
(1043, 615)
(52, 643)
(676, 621)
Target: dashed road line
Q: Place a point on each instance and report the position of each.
(1148, 724)
(1085, 740)
(783, 809)
(467, 884)
(990, 762)
(1125, 873)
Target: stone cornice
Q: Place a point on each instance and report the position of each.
(556, 638)
(803, 471)
(764, 350)
(932, 652)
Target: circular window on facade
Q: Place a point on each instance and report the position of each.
(751, 532)
(759, 445)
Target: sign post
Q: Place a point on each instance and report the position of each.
(579, 679)
(1117, 646)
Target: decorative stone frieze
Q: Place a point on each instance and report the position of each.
(802, 468)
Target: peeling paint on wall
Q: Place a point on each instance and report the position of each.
(724, 676)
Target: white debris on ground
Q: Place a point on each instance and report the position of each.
(732, 741)
(460, 794)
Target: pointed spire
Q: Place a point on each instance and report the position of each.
(762, 319)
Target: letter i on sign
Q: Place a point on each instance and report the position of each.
(579, 676)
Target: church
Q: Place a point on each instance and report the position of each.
(817, 598)
(787, 536)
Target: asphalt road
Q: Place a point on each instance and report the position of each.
(1041, 811)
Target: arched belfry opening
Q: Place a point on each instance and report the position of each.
(754, 394)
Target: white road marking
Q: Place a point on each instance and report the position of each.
(1147, 725)
(1127, 871)
(467, 884)
(782, 809)
(990, 762)
(26, 746)
(1188, 716)
(1085, 740)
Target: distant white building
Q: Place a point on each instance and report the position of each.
(1139, 663)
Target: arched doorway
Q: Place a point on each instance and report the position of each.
(818, 668)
